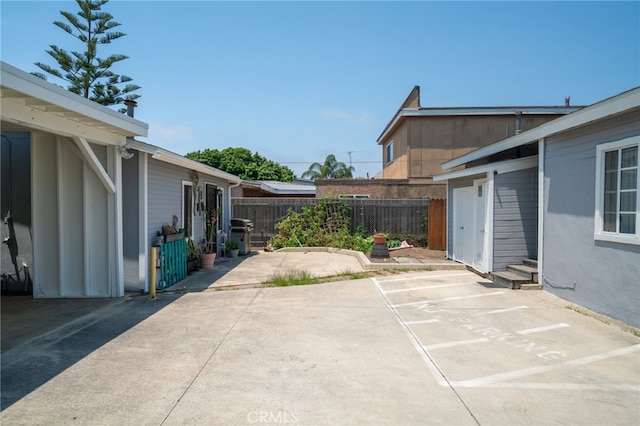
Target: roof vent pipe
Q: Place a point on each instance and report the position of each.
(131, 104)
(567, 101)
(518, 122)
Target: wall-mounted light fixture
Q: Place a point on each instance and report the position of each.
(122, 150)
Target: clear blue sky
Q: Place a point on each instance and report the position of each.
(296, 81)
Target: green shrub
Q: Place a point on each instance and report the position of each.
(327, 224)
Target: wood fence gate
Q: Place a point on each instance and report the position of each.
(437, 228)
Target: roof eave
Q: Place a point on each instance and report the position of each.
(472, 111)
(497, 167)
(598, 111)
(267, 188)
(161, 154)
(35, 87)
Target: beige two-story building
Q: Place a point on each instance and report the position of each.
(417, 139)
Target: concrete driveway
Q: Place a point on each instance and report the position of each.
(441, 347)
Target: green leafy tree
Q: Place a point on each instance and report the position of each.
(331, 169)
(244, 164)
(87, 74)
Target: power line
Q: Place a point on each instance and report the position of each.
(310, 162)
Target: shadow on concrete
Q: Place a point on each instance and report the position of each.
(31, 363)
(43, 337)
(201, 279)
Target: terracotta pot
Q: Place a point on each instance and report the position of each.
(379, 239)
(207, 260)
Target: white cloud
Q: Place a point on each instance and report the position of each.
(346, 116)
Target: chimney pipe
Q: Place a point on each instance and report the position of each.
(518, 122)
(131, 104)
(567, 100)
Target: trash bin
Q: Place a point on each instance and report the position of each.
(240, 233)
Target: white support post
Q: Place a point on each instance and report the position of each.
(115, 225)
(541, 208)
(490, 204)
(143, 222)
(61, 212)
(86, 232)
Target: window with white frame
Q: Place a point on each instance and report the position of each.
(389, 152)
(618, 192)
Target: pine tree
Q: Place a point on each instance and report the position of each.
(87, 74)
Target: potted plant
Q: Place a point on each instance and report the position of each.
(379, 238)
(231, 248)
(208, 255)
(192, 256)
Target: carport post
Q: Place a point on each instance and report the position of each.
(152, 273)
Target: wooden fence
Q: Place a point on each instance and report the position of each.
(437, 229)
(405, 218)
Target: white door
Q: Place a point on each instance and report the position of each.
(469, 225)
(480, 227)
(463, 224)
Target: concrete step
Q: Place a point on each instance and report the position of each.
(532, 286)
(509, 279)
(528, 272)
(530, 262)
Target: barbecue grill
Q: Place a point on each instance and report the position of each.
(240, 232)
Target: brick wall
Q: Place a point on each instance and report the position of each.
(380, 188)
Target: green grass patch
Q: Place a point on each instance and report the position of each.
(301, 277)
(587, 313)
(632, 330)
(603, 319)
(295, 277)
(352, 275)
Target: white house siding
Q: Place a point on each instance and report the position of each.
(97, 228)
(165, 196)
(602, 276)
(70, 221)
(515, 225)
(44, 198)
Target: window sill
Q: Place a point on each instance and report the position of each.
(618, 238)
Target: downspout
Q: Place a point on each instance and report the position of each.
(229, 198)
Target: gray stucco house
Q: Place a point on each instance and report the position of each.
(566, 194)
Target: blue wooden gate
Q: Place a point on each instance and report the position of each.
(172, 258)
